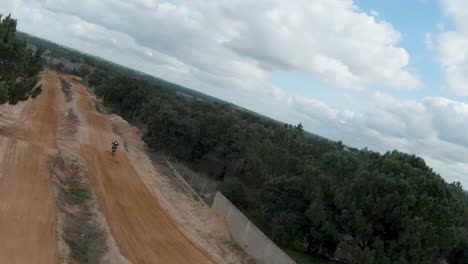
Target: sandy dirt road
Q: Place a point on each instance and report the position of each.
(143, 231)
(28, 213)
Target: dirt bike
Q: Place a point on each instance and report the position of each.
(114, 149)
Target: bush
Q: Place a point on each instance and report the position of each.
(85, 239)
(36, 91)
(3, 92)
(20, 90)
(17, 92)
(19, 66)
(307, 190)
(81, 231)
(233, 189)
(459, 254)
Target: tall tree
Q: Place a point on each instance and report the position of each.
(19, 65)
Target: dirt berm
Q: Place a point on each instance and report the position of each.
(135, 204)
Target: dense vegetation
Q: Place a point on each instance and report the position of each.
(309, 193)
(19, 65)
(305, 192)
(52, 49)
(82, 62)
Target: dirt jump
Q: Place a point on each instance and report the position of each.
(27, 202)
(141, 228)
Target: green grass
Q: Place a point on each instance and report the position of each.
(81, 231)
(303, 258)
(76, 192)
(85, 239)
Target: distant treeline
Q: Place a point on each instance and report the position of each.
(304, 191)
(19, 65)
(106, 67)
(307, 193)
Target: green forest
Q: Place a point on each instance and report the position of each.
(307, 193)
(19, 65)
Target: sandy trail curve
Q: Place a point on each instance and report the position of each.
(143, 231)
(28, 213)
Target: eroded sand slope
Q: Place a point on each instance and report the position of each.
(142, 230)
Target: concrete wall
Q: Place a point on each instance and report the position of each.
(255, 243)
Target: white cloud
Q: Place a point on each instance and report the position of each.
(349, 49)
(452, 47)
(315, 109)
(433, 128)
(440, 26)
(450, 119)
(458, 12)
(457, 170)
(429, 41)
(453, 56)
(230, 49)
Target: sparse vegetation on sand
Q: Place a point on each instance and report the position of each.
(81, 231)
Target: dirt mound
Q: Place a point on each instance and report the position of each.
(68, 126)
(65, 198)
(10, 113)
(82, 230)
(201, 224)
(143, 231)
(66, 88)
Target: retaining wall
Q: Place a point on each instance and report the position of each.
(254, 242)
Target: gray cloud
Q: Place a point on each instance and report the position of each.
(450, 118)
(230, 48)
(349, 49)
(433, 128)
(452, 47)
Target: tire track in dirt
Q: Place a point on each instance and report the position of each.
(28, 213)
(143, 231)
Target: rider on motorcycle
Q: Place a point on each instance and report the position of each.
(115, 144)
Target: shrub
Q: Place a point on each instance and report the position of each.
(36, 91)
(3, 92)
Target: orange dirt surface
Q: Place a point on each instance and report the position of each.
(141, 228)
(28, 213)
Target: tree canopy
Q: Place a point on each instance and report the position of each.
(19, 65)
(309, 193)
(305, 192)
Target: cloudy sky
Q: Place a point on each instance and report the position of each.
(387, 74)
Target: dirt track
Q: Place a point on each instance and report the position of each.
(142, 230)
(27, 202)
(28, 215)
